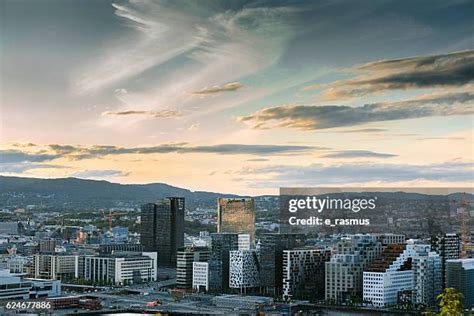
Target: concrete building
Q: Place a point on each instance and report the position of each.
(460, 275)
(303, 273)
(271, 247)
(236, 216)
(55, 266)
(184, 266)
(120, 269)
(17, 288)
(162, 229)
(390, 239)
(221, 245)
(344, 272)
(201, 276)
(244, 270)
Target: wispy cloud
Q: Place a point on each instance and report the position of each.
(443, 70)
(233, 86)
(84, 152)
(99, 174)
(156, 114)
(320, 117)
(280, 175)
(357, 154)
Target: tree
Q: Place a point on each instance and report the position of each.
(450, 302)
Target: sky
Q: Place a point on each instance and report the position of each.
(239, 96)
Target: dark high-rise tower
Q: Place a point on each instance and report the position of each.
(222, 244)
(162, 229)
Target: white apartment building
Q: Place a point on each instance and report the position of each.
(411, 269)
(201, 276)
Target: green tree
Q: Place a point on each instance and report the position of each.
(450, 302)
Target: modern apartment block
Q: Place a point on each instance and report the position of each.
(55, 266)
(389, 275)
(271, 250)
(162, 229)
(460, 275)
(428, 275)
(184, 265)
(221, 245)
(389, 239)
(244, 270)
(448, 246)
(403, 269)
(303, 273)
(344, 272)
(236, 216)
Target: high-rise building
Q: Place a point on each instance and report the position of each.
(271, 250)
(201, 276)
(303, 273)
(344, 272)
(244, 270)
(162, 229)
(184, 265)
(221, 245)
(236, 216)
(460, 275)
(448, 246)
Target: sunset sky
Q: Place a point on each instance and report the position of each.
(239, 96)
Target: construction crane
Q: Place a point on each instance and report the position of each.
(111, 215)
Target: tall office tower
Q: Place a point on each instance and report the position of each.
(271, 258)
(244, 270)
(448, 246)
(162, 229)
(236, 216)
(344, 272)
(303, 273)
(221, 245)
(184, 264)
(428, 275)
(460, 275)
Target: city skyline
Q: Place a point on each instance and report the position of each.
(255, 95)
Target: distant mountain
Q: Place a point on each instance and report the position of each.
(80, 193)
